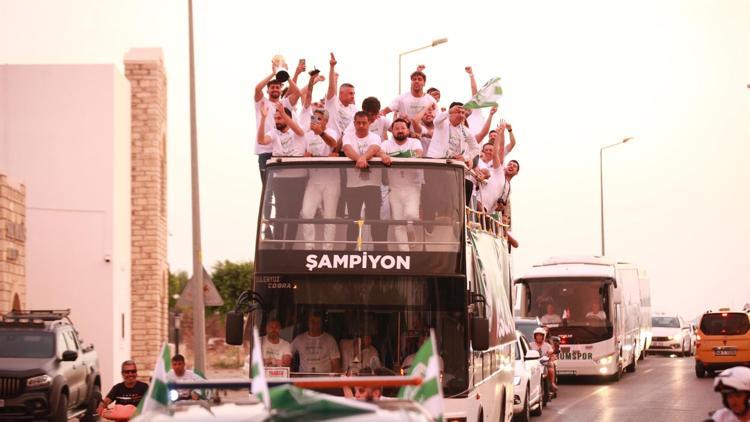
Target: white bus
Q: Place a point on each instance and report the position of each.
(596, 305)
(380, 283)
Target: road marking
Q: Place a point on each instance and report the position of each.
(595, 392)
(648, 370)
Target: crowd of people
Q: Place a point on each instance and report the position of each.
(415, 124)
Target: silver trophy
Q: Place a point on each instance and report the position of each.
(280, 68)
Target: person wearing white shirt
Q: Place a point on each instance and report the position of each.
(323, 185)
(379, 125)
(179, 373)
(318, 351)
(275, 350)
(362, 183)
(341, 107)
(273, 88)
(596, 312)
(551, 317)
(493, 182)
(409, 104)
(405, 185)
(287, 140)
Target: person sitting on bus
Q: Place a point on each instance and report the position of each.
(545, 349)
(276, 350)
(318, 352)
(596, 312)
(551, 317)
(404, 185)
(409, 360)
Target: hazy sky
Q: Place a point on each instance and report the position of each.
(577, 75)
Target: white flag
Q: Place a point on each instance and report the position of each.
(430, 393)
(487, 95)
(259, 386)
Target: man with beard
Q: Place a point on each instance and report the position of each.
(412, 102)
(405, 185)
(273, 88)
(276, 351)
(286, 139)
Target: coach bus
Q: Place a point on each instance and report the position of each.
(381, 282)
(593, 305)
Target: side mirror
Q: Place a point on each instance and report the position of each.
(480, 334)
(235, 327)
(69, 356)
(532, 355)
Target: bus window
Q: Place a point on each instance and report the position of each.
(333, 206)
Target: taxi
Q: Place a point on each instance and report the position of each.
(722, 341)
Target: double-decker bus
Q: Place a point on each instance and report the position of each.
(381, 278)
(593, 305)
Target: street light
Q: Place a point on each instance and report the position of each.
(601, 182)
(434, 43)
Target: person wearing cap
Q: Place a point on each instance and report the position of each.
(734, 386)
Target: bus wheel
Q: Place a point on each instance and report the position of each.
(633, 365)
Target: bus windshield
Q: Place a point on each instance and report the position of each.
(375, 322)
(574, 309)
(665, 322)
(413, 205)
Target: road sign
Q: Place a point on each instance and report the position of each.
(211, 296)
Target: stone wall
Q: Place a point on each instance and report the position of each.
(144, 69)
(12, 245)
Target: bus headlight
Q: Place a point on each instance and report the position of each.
(606, 360)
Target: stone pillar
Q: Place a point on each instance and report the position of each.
(144, 68)
(12, 245)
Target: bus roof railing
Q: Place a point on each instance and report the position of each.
(480, 220)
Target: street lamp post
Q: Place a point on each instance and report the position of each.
(601, 183)
(434, 43)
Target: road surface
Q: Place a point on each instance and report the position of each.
(662, 389)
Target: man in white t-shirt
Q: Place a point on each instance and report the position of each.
(274, 89)
(551, 317)
(276, 351)
(596, 312)
(379, 125)
(409, 104)
(405, 185)
(362, 183)
(318, 351)
(493, 182)
(180, 373)
(323, 185)
(341, 107)
(288, 185)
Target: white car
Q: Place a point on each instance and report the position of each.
(670, 334)
(527, 389)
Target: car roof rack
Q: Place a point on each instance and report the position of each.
(38, 314)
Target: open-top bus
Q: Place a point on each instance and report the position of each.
(593, 305)
(384, 281)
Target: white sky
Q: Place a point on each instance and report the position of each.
(577, 75)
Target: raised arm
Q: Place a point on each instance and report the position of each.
(499, 157)
(331, 78)
(300, 68)
(473, 81)
(416, 121)
(289, 121)
(262, 138)
(262, 84)
(486, 128)
(512, 143)
(294, 93)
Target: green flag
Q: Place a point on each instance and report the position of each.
(156, 400)
(259, 385)
(487, 95)
(430, 393)
(291, 403)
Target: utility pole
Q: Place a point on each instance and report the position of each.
(199, 323)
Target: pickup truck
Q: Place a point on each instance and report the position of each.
(45, 371)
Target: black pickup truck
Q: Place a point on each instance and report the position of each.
(45, 371)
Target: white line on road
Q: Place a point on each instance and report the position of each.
(648, 370)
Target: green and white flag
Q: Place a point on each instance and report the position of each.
(259, 386)
(156, 400)
(430, 393)
(487, 95)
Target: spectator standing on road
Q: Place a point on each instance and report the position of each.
(129, 391)
(180, 373)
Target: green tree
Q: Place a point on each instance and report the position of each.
(231, 279)
(176, 283)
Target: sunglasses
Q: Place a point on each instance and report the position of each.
(130, 371)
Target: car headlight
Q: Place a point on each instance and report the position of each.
(516, 380)
(40, 381)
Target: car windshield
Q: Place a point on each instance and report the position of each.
(331, 205)
(666, 322)
(26, 345)
(375, 321)
(726, 323)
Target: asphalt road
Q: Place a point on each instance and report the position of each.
(662, 389)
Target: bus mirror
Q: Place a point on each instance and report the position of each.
(235, 327)
(480, 334)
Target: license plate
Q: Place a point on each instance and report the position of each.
(566, 372)
(656, 344)
(725, 352)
